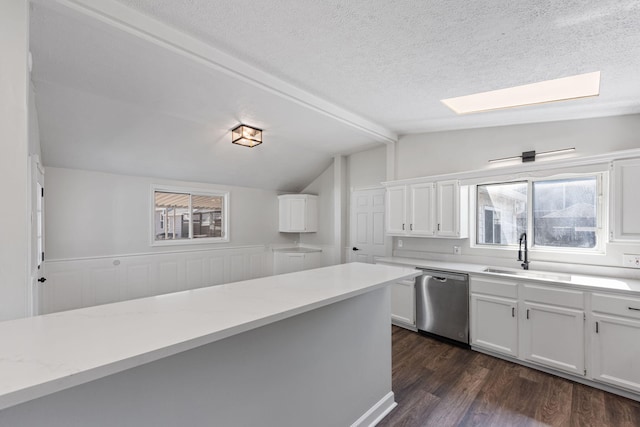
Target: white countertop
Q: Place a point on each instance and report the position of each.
(44, 354)
(576, 280)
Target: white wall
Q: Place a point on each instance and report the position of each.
(323, 187)
(464, 150)
(92, 214)
(457, 151)
(14, 182)
(367, 168)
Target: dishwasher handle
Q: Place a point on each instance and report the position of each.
(439, 279)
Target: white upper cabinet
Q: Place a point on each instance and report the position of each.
(298, 213)
(396, 209)
(428, 209)
(422, 211)
(625, 203)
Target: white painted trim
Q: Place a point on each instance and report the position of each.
(377, 412)
(140, 25)
(523, 168)
(223, 248)
(366, 188)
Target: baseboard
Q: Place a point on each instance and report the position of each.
(377, 412)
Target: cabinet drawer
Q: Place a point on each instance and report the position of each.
(620, 305)
(498, 288)
(553, 296)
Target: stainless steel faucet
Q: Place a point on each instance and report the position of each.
(525, 263)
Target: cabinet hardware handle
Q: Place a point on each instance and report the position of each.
(597, 327)
(634, 309)
(438, 227)
(411, 227)
(403, 226)
(527, 313)
(513, 312)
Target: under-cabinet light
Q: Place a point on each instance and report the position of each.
(563, 89)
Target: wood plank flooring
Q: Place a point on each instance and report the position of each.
(437, 384)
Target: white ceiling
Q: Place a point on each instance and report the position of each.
(322, 77)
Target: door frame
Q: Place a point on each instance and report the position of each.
(36, 250)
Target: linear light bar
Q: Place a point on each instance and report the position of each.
(530, 156)
(563, 89)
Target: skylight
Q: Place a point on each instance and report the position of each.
(563, 89)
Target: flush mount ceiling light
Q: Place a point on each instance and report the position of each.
(563, 89)
(246, 135)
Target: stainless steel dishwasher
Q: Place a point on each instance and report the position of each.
(442, 305)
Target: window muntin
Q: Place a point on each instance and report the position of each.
(555, 213)
(185, 216)
(502, 213)
(565, 213)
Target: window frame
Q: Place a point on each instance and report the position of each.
(601, 232)
(191, 191)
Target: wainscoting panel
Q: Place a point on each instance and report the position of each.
(77, 283)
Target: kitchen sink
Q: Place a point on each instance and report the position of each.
(532, 274)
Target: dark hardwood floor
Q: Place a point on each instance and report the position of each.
(437, 384)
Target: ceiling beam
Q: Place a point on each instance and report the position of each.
(140, 25)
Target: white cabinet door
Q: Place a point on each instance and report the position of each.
(297, 214)
(625, 203)
(452, 209)
(615, 346)
(396, 210)
(553, 336)
(422, 211)
(403, 303)
(494, 324)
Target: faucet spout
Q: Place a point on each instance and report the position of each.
(525, 262)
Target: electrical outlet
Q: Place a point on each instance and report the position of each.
(630, 260)
(400, 243)
(456, 250)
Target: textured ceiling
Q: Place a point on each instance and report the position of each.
(112, 98)
(392, 61)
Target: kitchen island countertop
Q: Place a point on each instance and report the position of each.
(45, 354)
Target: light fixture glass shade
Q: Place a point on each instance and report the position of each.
(246, 135)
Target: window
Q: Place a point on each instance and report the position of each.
(556, 213)
(564, 213)
(183, 216)
(502, 213)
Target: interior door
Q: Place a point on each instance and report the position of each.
(368, 239)
(37, 264)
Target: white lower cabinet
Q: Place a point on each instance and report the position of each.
(403, 303)
(615, 341)
(494, 315)
(289, 262)
(553, 336)
(495, 325)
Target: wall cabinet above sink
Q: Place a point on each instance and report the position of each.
(428, 209)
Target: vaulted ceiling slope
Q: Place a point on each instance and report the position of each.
(119, 87)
